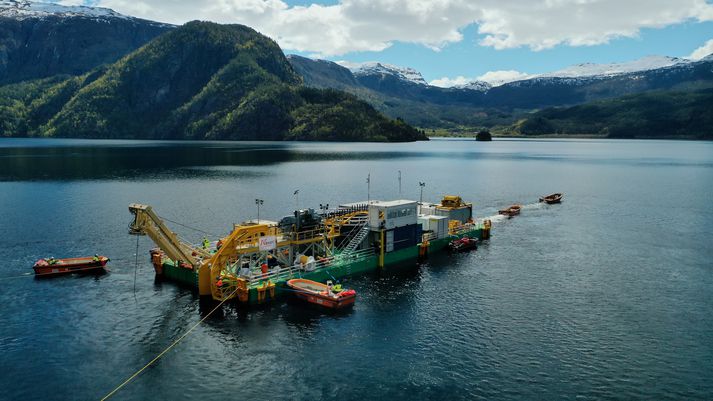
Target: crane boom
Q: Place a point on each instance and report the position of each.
(146, 221)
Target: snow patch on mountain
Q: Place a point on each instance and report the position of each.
(25, 9)
(376, 68)
(573, 74)
(594, 70)
(480, 86)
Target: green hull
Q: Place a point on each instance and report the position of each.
(180, 274)
(337, 271)
(439, 244)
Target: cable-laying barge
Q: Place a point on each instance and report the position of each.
(255, 261)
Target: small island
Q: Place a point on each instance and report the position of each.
(483, 135)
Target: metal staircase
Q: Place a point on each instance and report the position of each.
(357, 239)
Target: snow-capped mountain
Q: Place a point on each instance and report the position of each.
(42, 39)
(588, 71)
(22, 9)
(374, 68)
(591, 69)
(579, 71)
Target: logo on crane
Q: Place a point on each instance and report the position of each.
(268, 243)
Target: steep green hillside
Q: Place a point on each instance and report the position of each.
(33, 48)
(199, 81)
(669, 114)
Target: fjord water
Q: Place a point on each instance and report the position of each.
(606, 296)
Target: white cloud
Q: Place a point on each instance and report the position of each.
(374, 25)
(494, 78)
(446, 82)
(702, 51)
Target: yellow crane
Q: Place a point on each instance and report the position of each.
(213, 267)
(147, 222)
(208, 265)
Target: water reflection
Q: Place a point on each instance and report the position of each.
(32, 160)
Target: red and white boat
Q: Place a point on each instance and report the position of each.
(321, 294)
(53, 267)
(463, 244)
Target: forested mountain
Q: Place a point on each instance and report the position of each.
(668, 114)
(199, 81)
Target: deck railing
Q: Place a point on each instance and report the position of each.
(298, 269)
(462, 229)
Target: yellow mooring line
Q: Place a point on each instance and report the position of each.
(138, 372)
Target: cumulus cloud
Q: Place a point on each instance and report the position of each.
(494, 78)
(374, 25)
(702, 51)
(446, 82)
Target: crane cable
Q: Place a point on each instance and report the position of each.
(173, 344)
(187, 226)
(136, 267)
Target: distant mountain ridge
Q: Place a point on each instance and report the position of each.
(375, 68)
(24, 9)
(479, 104)
(593, 69)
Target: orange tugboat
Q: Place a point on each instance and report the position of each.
(513, 210)
(54, 267)
(326, 295)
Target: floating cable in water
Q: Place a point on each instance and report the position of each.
(173, 344)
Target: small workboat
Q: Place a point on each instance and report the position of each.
(513, 210)
(332, 297)
(53, 267)
(553, 198)
(463, 244)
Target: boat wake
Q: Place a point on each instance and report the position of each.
(499, 217)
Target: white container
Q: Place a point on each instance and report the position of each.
(462, 214)
(437, 224)
(392, 214)
(427, 208)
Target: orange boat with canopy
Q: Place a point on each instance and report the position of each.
(326, 295)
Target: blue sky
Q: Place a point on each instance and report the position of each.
(457, 38)
(467, 58)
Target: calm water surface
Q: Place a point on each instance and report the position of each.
(606, 296)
